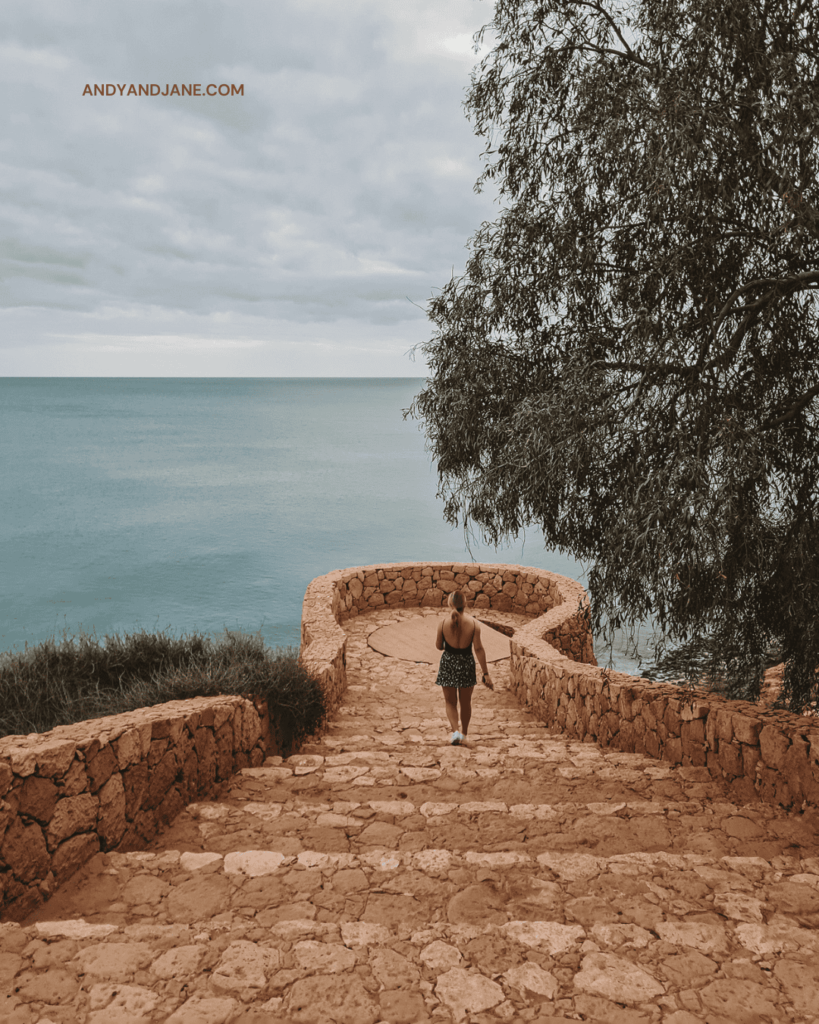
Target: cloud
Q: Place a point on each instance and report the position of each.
(335, 189)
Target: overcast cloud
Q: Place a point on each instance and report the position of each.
(283, 232)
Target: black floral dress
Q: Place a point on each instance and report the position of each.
(457, 666)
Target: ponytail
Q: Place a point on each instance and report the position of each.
(457, 602)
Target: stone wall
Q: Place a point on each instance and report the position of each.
(556, 603)
(111, 784)
(763, 754)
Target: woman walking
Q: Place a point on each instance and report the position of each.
(458, 634)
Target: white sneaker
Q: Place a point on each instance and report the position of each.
(456, 739)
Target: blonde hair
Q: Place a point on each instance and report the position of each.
(458, 603)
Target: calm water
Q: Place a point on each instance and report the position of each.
(200, 504)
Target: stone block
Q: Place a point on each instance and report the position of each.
(432, 598)
(724, 725)
(730, 758)
(161, 779)
(447, 586)
(375, 600)
(750, 759)
(24, 850)
(355, 588)
(773, 745)
(73, 853)
(54, 758)
(672, 750)
(128, 748)
(135, 784)
(73, 814)
(111, 820)
(6, 778)
(672, 720)
(386, 586)
(692, 737)
(746, 729)
(38, 798)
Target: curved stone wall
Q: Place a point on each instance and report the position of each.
(763, 754)
(557, 604)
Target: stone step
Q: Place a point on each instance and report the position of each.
(382, 876)
(499, 932)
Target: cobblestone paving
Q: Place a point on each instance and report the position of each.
(382, 875)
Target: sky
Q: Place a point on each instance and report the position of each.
(295, 230)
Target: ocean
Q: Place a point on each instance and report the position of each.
(204, 504)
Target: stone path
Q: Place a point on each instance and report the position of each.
(384, 876)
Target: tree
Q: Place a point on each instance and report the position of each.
(630, 361)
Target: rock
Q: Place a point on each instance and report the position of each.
(73, 814)
(180, 962)
(200, 1010)
(52, 986)
(359, 933)
(595, 1008)
(111, 823)
(476, 904)
(708, 938)
(145, 889)
(199, 899)
(38, 798)
(742, 828)
(742, 1002)
(122, 1004)
(628, 936)
(254, 863)
(24, 850)
(244, 966)
(801, 984)
(340, 998)
(400, 1007)
(684, 969)
(71, 855)
(776, 937)
(77, 929)
(617, 979)
(326, 957)
(532, 981)
(552, 938)
(439, 956)
(738, 906)
(573, 867)
(466, 993)
(116, 961)
(393, 970)
(200, 861)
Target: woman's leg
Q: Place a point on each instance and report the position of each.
(451, 698)
(465, 693)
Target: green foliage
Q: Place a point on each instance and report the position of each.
(73, 679)
(631, 360)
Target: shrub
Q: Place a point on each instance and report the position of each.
(75, 678)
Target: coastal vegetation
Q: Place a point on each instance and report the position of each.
(630, 362)
(74, 678)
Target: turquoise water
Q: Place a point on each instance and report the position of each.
(201, 504)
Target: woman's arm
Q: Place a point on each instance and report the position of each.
(477, 646)
(439, 640)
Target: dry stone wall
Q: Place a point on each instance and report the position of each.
(557, 604)
(112, 784)
(763, 754)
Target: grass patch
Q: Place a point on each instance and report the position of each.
(59, 682)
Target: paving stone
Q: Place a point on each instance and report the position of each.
(381, 875)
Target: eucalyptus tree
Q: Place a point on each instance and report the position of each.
(630, 361)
